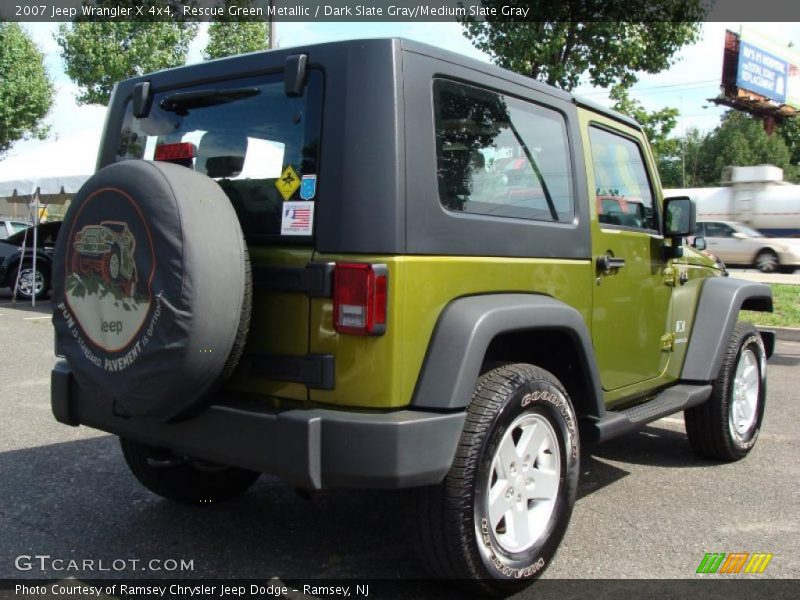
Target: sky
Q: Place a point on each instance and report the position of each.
(687, 85)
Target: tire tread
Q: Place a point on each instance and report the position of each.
(442, 534)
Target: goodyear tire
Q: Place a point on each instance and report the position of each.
(159, 340)
(495, 522)
(726, 426)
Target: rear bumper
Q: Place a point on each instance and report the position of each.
(312, 449)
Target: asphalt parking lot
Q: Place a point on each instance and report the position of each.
(648, 508)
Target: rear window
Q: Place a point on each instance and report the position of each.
(255, 141)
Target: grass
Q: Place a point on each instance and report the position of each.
(786, 301)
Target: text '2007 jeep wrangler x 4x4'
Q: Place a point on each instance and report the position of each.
(378, 264)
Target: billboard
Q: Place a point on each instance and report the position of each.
(768, 69)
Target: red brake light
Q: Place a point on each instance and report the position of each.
(359, 298)
(181, 153)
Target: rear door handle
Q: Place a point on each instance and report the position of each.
(609, 263)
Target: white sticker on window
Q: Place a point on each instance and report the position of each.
(297, 218)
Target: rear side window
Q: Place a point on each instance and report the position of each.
(244, 133)
(501, 156)
(623, 194)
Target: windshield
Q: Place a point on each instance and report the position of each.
(46, 236)
(248, 142)
(749, 231)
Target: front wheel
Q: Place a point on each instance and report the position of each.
(32, 283)
(726, 426)
(767, 261)
(184, 479)
(496, 520)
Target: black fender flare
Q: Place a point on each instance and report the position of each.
(721, 299)
(468, 325)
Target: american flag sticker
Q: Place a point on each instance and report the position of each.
(297, 218)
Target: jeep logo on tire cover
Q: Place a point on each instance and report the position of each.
(110, 264)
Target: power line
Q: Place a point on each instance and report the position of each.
(671, 87)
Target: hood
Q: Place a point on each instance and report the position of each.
(694, 256)
(791, 244)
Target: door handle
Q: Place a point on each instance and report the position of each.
(609, 263)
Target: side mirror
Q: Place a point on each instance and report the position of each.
(739, 235)
(699, 243)
(680, 217)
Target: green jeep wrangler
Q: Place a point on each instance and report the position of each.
(376, 264)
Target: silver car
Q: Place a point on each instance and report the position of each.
(738, 244)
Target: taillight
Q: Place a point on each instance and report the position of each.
(180, 153)
(359, 298)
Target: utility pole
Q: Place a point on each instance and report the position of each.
(683, 148)
(271, 25)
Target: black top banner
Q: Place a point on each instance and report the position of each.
(521, 11)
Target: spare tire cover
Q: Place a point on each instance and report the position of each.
(148, 287)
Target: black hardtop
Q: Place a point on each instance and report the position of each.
(377, 172)
(253, 62)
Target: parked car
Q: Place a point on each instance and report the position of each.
(432, 316)
(12, 256)
(738, 244)
(9, 227)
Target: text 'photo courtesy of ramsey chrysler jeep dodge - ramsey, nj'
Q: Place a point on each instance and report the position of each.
(376, 264)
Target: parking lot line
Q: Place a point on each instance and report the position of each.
(36, 318)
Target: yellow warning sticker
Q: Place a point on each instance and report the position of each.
(288, 182)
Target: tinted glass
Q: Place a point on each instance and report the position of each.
(501, 156)
(244, 142)
(622, 189)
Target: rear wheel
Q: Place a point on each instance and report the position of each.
(726, 426)
(184, 479)
(496, 520)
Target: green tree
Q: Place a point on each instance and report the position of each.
(691, 166)
(740, 140)
(658, 126)
(26, 92)
(229, 36)
(789, 130)
(622, 37)
(97, 54)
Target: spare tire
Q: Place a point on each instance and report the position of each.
(151, 288)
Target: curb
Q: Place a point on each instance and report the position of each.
(785, 334)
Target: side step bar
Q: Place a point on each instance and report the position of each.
(671, 400)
